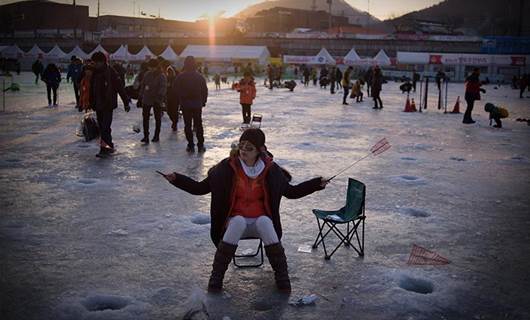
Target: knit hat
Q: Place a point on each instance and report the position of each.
(254, 136)
(489, 107)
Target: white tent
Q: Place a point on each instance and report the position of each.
(169, 54)
(55, 53)
(122, 54)
(98, 48)
(323, 57)
(382, 59)
(351, 58)
(12, 52)
(78, 52)
(144, 54)
(35, 52)
(228, 53)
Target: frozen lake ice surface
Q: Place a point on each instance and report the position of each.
(89, 238)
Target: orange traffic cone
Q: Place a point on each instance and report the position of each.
(413, 105)
(456, 109)
(408, 106)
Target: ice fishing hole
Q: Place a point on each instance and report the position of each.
(87, 181)
(414, 212)
(103, 302)
(409, 178)
(416, 285)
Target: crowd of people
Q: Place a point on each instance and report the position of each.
(160, 87)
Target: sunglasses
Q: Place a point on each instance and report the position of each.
(246, 147)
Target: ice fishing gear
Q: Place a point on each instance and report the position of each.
(378, 148)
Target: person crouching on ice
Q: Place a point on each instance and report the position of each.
(496, 113)
(246, 191)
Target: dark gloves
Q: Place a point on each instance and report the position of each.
(482, 90)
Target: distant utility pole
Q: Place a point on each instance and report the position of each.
(134, 8)
(75, 23)
(521, 10)
(98, 9)
(368, 16)
(330, 17)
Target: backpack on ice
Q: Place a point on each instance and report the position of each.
(89, 127)
(503, 112)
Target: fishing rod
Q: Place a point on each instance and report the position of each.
(378, 148)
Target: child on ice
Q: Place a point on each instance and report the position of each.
(496, 113)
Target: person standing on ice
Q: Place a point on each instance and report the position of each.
(473, 89)
(192, 96)
(75, 69)
(377, 86)
(332, 79)
(37, 69)
(346, 84)
(172, 101)
(105, 85)
(368, 75)
(246, 192)
(153, 91)
(523, 84)
(52, 77)
(247, 94)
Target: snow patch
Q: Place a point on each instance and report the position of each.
(200, 218)
(416, 285)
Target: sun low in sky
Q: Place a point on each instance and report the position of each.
(193, 10)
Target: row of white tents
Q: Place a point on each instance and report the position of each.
(259, 54)
(56, 53)
(351, 59)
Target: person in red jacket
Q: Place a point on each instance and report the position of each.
(472, 93)
(247, 93)
(246, 191)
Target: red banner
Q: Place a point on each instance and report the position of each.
(435, 59)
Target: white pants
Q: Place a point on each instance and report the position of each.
(241, 227)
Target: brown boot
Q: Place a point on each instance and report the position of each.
(224, 254)
(278, 262)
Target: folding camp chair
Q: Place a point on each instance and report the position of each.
(241, 257)
(256, 120)
(352, 214)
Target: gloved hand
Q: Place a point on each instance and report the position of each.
(127, 107)
(482, 90)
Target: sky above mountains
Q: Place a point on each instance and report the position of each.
(193, 10)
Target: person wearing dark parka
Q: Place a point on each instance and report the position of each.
(105, 85)
(246, 189)
(192, 94)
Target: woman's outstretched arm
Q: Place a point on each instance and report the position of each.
(189, 185)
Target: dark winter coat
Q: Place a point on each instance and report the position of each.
(51, 76)
(74, 72)
(37, 67)
(473, 87)
(153, 88)
(220, 182)
(191, 89)
(377, 84)
(105, 86)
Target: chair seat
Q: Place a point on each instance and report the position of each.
(336, 216)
